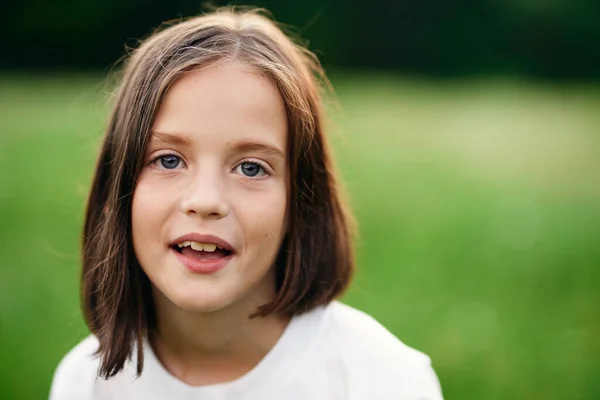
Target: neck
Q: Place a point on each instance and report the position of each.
(203, 348)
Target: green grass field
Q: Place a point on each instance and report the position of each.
(478, 204)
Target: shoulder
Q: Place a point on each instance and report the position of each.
(368, 337)
(75, 375)
(373, 354)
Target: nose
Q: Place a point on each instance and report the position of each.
(205, 196)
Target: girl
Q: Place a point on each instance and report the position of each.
(215, 240)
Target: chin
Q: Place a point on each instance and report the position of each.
(202, 305)
(201, 299)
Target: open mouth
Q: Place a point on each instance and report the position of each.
(201, 251)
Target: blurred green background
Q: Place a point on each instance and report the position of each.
(468, 139)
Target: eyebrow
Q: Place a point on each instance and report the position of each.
(243, 146)
(170, 138)
(247, 146)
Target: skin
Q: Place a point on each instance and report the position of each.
(211, 121)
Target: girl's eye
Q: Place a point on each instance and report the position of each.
(168, 161)
(251, 169)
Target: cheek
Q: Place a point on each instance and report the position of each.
(146, 213)
(139, 226)
(264, 217)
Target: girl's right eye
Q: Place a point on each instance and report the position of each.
(168, 161)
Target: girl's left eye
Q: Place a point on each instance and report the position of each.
(251, 169)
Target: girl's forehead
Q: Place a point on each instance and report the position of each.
(223, 102)
(222, 93)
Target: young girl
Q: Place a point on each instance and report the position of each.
(215, 240)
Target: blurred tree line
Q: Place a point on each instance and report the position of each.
(541, 38)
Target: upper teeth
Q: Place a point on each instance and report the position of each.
(198, 246)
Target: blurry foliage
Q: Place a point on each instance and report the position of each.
(551, 39)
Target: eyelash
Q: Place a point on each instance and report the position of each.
(161, 156)
(261, 164)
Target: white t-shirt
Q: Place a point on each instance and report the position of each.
(332, 352)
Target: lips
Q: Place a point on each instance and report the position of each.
(203, 254)
(202, 239)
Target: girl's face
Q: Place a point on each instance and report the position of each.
(209, 208)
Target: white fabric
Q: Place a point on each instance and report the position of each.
(333, 352)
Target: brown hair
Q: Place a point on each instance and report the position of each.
(316, 260)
